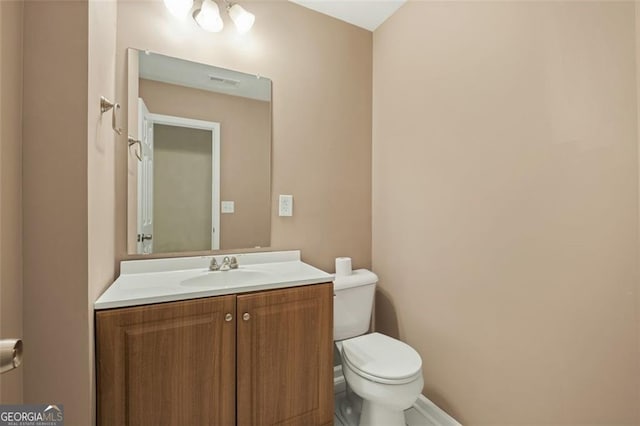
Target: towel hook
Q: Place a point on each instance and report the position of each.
(106, 105)
(133, 141)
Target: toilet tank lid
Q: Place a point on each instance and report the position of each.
(359, 277)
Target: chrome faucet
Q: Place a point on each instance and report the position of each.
(227, 264)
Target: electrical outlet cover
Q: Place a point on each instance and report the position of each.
(285, 205)
(227, 207)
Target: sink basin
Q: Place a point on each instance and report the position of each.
(233, 277)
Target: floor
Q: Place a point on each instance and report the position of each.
(346, 416)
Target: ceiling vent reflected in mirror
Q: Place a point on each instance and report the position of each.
(224, 80)
(207, 14)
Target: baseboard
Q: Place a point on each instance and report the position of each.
(339, 385)
(428, 409)
(433, 413)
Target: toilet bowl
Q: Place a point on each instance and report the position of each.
(386, 373)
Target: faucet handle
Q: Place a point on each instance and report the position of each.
(213, 266)
(233, 263)
(226, 264)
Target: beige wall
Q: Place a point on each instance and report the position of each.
(245, 155)
(101, 180)
(637, 22)
(182, 189)
(321, 72)
(11, 188)
(505, 214)
(68, 196)
(56, 322)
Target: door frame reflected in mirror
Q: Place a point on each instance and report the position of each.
(146, 188)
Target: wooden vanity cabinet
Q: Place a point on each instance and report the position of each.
(167, 364)
(285, 357)
(254, 359)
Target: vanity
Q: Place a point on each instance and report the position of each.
(177, 343)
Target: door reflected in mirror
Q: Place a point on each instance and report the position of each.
(203, 178)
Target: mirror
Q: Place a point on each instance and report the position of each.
(199, 175)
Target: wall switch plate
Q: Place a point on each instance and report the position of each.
(285, 205)
(227, 207)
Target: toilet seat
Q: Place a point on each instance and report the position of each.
(382, 359)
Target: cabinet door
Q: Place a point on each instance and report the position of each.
(285, 357)
(167, 364)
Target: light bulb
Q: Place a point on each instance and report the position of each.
(208, 17)
(179, 8)
(243, 19)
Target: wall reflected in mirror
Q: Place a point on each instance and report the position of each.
(203, 180)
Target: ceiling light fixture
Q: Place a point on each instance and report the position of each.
(240, 17)
(208, 17)
(207, 14)
(179, 8)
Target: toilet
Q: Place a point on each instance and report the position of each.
(386, 373)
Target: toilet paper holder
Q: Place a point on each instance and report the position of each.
(10, 354)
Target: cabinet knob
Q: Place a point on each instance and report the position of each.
(246, 316)
(228, 317)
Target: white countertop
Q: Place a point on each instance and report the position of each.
(143, 282)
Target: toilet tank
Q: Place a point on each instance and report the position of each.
(353, 303)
